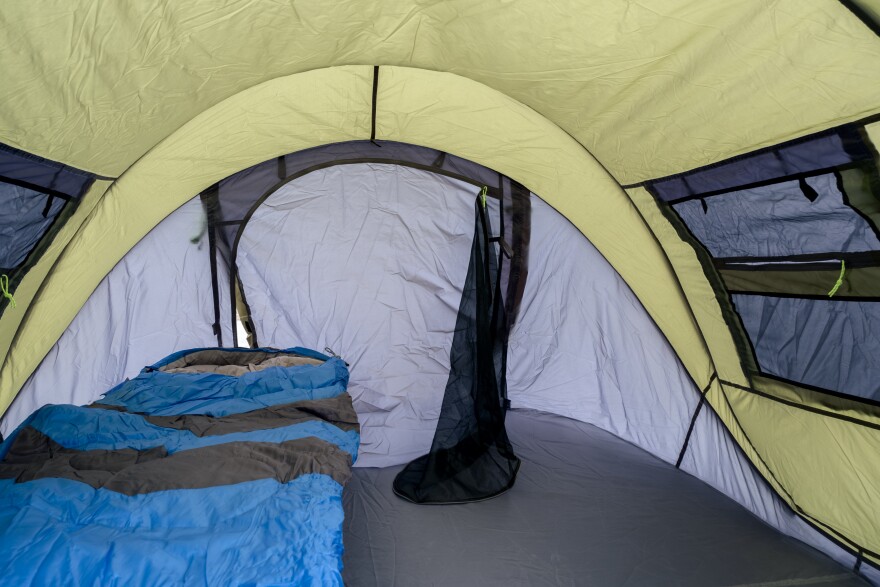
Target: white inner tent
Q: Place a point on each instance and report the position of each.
(369, 259)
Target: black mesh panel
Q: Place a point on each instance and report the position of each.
(471, 457)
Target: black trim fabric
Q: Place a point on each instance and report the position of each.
(373, 108)
(799, 177)
(519, 226)
(36, 188)
(863, 16)
(282, 168)
(799, 262)
(806, 296)
(209, 200)
(858, 284)
(815, 410)
(39, 174)
(856, 401)
(741, 340)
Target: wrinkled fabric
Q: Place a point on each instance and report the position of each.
(257, 533)
(366, 257)
(779, 220)
(267, 531)
(164, 394)
(368, 260)
(827, 343)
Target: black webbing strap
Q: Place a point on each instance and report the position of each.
(210, 201)
(375, 95)
(516, 234)
(690, 431)
(282, 167)
(48, 208)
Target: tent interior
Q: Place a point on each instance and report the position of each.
(680, 223)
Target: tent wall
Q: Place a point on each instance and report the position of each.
(369, 260)
(649, 89)
(155, 301)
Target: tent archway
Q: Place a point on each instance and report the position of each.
(437, 110)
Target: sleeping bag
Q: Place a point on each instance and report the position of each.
(211, 467)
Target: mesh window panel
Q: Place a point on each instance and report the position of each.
(792, 238)
(37, 196)
(784, 219)
(828, 150)
(824, 343)
(25, 216)
(471, 458)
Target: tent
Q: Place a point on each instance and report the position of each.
(696, 185)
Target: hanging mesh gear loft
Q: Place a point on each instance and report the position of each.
(471, 458)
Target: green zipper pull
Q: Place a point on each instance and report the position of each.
(483, 193)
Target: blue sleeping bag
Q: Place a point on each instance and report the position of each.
(211, 467)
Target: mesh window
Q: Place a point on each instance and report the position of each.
(823, 343)
(36, 197)
(791, 235)
(789, 218)
(25, 215)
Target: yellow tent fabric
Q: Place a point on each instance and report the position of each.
(649, 88)
(575, 101)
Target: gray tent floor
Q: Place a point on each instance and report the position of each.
(588, 509)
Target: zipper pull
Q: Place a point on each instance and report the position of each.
(332, 353)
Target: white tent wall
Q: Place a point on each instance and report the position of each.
(156, 300)
(368, 260)
(371, 264)
(584, 347)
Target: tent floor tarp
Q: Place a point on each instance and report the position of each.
(587, 509)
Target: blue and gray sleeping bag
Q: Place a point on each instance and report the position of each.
(211, 467)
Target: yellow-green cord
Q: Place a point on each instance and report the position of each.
(839, 279)
(4, 289)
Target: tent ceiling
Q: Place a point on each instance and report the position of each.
(649, 88)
